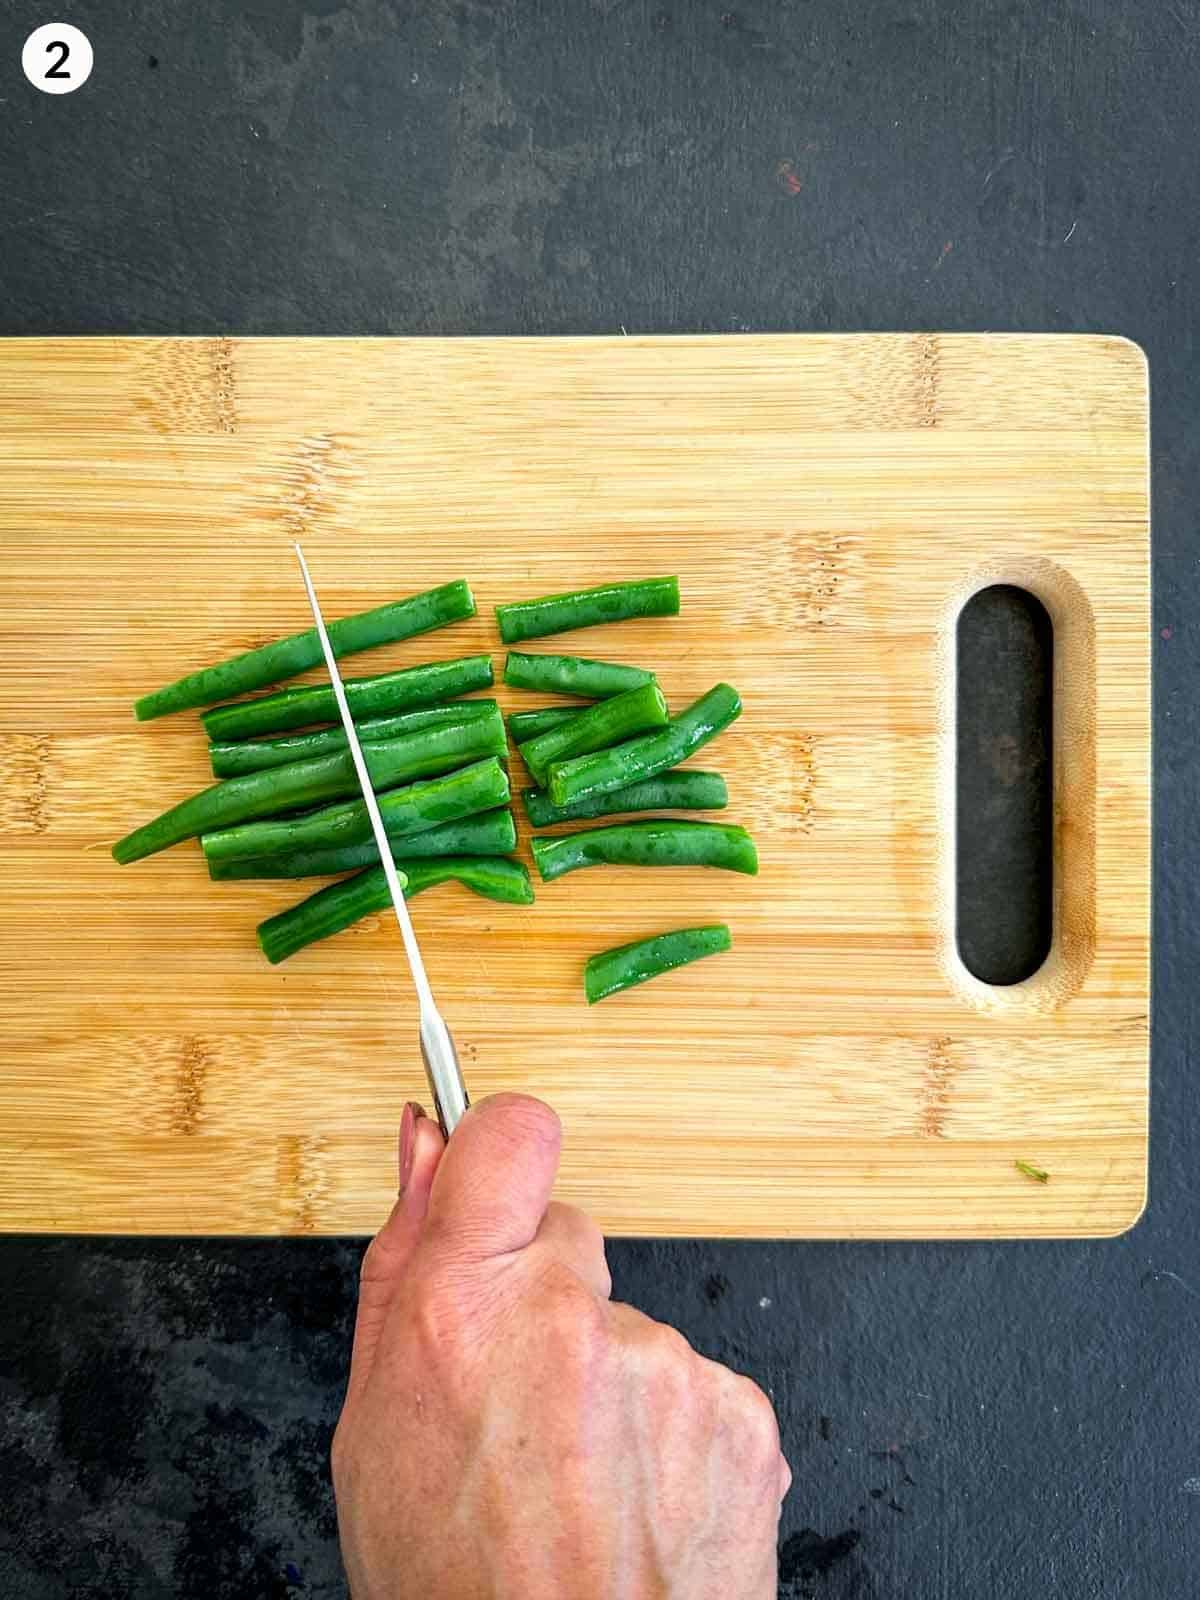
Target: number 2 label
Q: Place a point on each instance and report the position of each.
(57, 58)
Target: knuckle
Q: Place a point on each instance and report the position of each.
(340, 1453)
(757, 1423)
(573, 1324)
(576, 1227)
(374, 1264)
(671, 1368)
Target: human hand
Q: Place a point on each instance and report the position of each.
(511, 1434)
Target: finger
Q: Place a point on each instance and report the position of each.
(570, 1236)
(785, 1478)
(420, 1149)
(494, 1183)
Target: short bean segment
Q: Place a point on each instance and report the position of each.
(608, 722)
(590, 680)
(584, 608)
(604, 770)
(230, 760)
(380, 696)
(479, 787)
(340, 904)
(629, 964)
(689, 790)
(665, 843)
(526, 725)
(284, 658)
(491, 833)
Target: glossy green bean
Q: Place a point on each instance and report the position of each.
(630, 964)
(526, 725)
(302, 783)
(689, 790)
(339, 904)
(662, 843)
(418, 806)
(380, 696)
(583, 608)
(590, 680)
(605, 770)
(490, 833)
(608, 722)
(284, 658)
(255, 755)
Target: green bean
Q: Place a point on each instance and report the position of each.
(412, 809)
(380, 696)
(610, 602)
(308, 783)
(605, 770)
(689, 790)
(490, 833)
(665, 843)
(284, 658)
(339, 904)
(590, 680)
(606, 723)
(629, 964)
(526, 725)
(254, 755)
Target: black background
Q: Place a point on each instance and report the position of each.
(964, 1421)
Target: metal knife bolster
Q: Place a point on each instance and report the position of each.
(442, 1069)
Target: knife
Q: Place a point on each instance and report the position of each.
(437, 1047)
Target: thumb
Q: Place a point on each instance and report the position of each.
(388, 1253)
(494, 1182)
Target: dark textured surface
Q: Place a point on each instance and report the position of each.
(965, 1421)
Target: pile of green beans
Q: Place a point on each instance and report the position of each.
(287, 803)
(594, 761)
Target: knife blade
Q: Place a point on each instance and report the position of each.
(437, 1047)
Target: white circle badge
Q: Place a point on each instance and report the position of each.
(57, 58)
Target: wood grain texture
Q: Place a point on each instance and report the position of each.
(828, 503)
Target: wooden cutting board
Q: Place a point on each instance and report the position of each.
(828, 503)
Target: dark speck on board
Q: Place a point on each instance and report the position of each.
(716, 1287)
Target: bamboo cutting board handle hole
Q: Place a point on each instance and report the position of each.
(1004, 791)
(1059, 895)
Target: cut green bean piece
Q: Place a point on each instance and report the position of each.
(608, 722)
(412, 809)
(630, 964)
(255, 755)
(583, 608)
(491, 833)
(526, 725)
(590, 680)
(665, 843)
(401, 619)
(652, 753)
(688, 790)
(339, 904)
(309, 783)
(380, 696)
